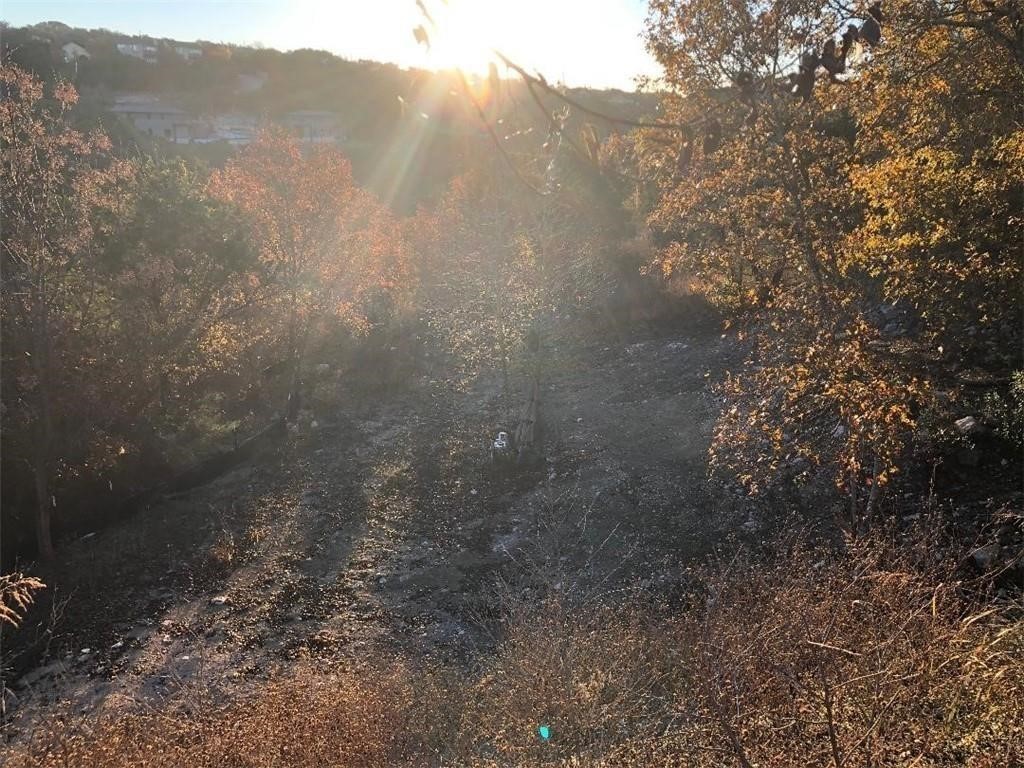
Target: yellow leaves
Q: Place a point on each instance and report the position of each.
(17, 593)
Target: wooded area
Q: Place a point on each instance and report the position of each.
(838, 191)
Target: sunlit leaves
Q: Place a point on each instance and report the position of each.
(902, 183)
(322, 241)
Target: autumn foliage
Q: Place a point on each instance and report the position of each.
(144, 299)
(844, 185)
(863, 217)
(323, 243)
(59, 190)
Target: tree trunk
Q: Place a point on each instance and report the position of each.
(44, 435)
(292, 404)
(506, 379)
(44, 539)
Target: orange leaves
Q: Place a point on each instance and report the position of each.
(901, 184)
(304, 209)
(942, 194)
(65, 94)
(324, 244)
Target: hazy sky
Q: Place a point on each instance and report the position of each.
(584, 42)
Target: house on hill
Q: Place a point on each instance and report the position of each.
(152, 117)
(74, 52)
(235, 128)
(188, 52)
(149, 115)
(144, 51)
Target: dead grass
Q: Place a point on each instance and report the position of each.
(306, 720)
(883, 655)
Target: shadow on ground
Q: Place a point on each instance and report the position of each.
(387, 528)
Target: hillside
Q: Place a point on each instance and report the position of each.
(374, 102)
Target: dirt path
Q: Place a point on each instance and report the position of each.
(390, 530)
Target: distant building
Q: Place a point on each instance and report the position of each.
(188, 52)
(74, 52)
(149, 115)
(153, 118)
(314, 127)
(217, 52)
(144, 51)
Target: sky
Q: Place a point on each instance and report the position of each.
(581, 42)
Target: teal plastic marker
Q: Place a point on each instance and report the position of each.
(544, 732)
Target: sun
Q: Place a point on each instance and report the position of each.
(465, 33)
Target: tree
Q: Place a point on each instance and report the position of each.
(498, 262)
(815, 180)
(753, 194)
(59, 188)
(176, 268)
(940, 173)
(479, 280)
(322, 242)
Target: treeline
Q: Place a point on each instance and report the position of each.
(364, 93)
(406, 130)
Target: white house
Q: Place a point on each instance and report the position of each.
(188, 52)
(148, 115)
(144, 51)
(234, 128)
(74, 52)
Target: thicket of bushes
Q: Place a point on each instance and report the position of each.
(864, 232)
(155, 310)
(149, 306)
